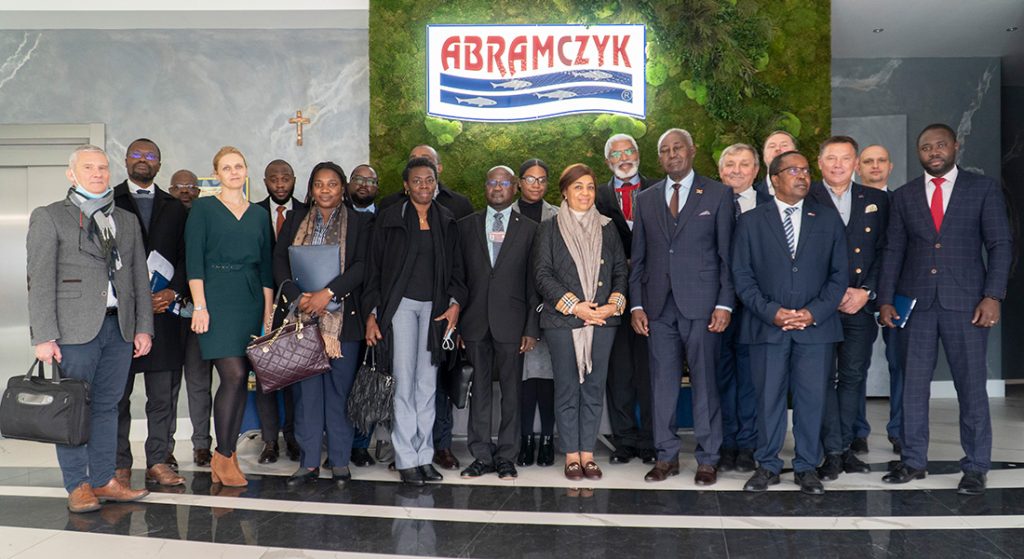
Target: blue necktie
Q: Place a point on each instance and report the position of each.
(787, 225)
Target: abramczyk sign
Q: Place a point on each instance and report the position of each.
(506, 73)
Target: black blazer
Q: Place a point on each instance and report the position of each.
(608, 204)
(865, 233)
(347, 287)
(265, 203)
(457, 204)
(166, 235)
(501, 297)
(555, 273)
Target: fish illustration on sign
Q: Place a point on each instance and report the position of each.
(592, 75)
(477, 101)
(512, 84)
(560, 94)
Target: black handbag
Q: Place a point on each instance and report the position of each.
(455, 374)
(372, 398)
(47, 410)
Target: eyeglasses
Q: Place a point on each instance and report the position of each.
(491, 183)
(148, 155)
(534, 180)
(367, 181)
(189, 187)
(619, 153)
(795, 171)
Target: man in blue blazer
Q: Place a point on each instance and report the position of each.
(789, 266)
(682, 298)
(738, 168)
(864, 212)
(937, 224)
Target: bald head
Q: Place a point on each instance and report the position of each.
(427, 152)
(184, 186)
(874, 166)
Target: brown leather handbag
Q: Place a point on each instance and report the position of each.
(288, 354)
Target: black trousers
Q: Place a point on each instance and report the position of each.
(160, 415)
(629, 384)
(844, 395)
(270, 418)
(487, 357)
(198, 375)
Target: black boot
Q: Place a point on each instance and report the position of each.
(527, 447)
(546, 452)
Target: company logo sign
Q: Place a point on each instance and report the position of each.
(508, 73)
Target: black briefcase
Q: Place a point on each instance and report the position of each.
(47, 410)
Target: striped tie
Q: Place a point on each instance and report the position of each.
(787, 225)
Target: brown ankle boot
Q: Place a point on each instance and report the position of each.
(225, 471)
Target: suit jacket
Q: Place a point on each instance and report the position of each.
(166, 235)
(690, 261)
(946, 267)
(457, 204)
(768, 279)
(265, 203)
(502, 298)
(761, 187)
(608, 204)
(67, 277)
(865, 233)
(347, 287)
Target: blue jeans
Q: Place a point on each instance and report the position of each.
(103, 362)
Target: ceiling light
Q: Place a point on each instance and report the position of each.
(1011, 29)
(880, 29)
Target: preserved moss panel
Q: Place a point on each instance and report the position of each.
(726, 70)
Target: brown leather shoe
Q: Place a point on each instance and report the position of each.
(662, 471)
(573, 471)
(164, 475)
(124, 475)
(592, 471)
(201, 457)
(82, 499)
(114, 491)
(443, 457)
(706, 475)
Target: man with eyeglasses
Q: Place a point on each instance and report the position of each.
(162, 219)
(629, 380)
(790, 270)
(184, 187)
(497, 326)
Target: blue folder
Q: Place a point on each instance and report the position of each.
(313, 267)
(904, 306)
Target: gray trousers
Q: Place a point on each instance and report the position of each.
(415, 384)
(198, 382)
(578, 406)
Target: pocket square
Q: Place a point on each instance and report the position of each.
(703, 213)
(870, 208)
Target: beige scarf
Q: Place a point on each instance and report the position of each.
(329, 322)
(583, 238)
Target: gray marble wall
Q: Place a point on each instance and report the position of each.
(1013, 179)
(193, 91)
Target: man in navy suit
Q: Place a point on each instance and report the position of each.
(864, 212)
(777, 142)
(790, 270)
(738, 168)
(682, 298)
(937, 224)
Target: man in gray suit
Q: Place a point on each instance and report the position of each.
(90, 309)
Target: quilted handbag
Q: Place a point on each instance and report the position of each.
(47, 410)
(291, 353)
(371, 400)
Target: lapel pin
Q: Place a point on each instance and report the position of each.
(700, 191)
(811, 214)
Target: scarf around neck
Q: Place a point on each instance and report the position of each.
(334, 232)
(98, 210)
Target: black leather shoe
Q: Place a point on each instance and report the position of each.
(391, 466)
(506, 470)
(361, 458)
(172, 462)
(903, 474)
(647, 455)
(859, 445)
(269, 453)
(854, 465)
(897, 447)
(760, 481)
(443, 457)
(622, 454)
(973, 483)
(546, 451)
(294, 452)
(429, 473)
(477, 469)
(341, 476)
(727, 459)
(831, 467)
(745, 460)
(412, 476)
(201, 457)
(303, 476)
(809, 483)
(527, 450)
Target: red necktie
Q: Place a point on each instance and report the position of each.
(937, 202)
(280, 220)
(626, 191)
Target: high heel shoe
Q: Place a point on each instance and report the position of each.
(527, 446)
(225, 470)
(546, 452)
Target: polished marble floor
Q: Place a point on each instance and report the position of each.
(538, 515)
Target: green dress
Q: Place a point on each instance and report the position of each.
(232, 257)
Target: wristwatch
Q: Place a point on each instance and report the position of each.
(871, 294)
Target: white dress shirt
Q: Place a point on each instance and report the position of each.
(273, 213)
(747, 199)
(795, 219)
(135, 189)
(684, 190)
(947, 188)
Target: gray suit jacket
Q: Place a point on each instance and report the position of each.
(67, 277)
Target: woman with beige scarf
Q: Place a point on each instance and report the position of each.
(321, 405)
(581, 275)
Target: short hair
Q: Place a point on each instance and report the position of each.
(573, 173)
(774, 132)
(418, 162)
(137, 140)
(618, 138)
(225, 151)
(279, 162)
(686, 135)
(831, 140)
(530, 163)
(330, 166)
(84, 148)
(774, 167)
(736, 148)
(936, 126)
(364, 166)
(505, 168)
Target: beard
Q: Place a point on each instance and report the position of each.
(145, 177)
(624, 175)
(280, 201)
(361, 200)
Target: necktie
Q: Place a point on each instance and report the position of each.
(787, 225)
(280, 220)
(498, 227)
(937, 202)
(673, 204)
(626, 192)
(143, 192)
(736, 205)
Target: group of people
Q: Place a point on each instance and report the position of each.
(764, 291)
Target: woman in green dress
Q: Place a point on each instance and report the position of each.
(227, 242)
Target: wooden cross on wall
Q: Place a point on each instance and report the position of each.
(298, 120)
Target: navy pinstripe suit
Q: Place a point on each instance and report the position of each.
(945, 272)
